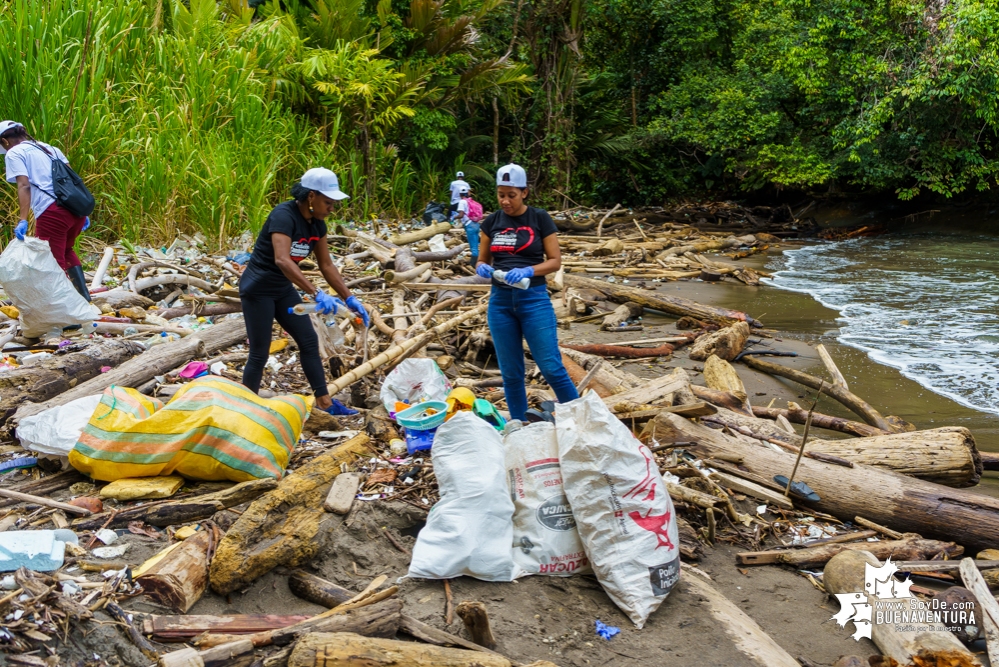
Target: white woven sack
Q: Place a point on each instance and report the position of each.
(618, 497)
(545, 539)
(34, 281)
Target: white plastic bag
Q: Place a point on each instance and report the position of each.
(624, 515)
(413, 381)
(56, 430)
(470, 530)
(32, 279)
(545, 539)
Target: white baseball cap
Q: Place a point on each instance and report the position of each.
(460, 174)
(325, 181)
(513, 175)
(4, 126)
(463, 190)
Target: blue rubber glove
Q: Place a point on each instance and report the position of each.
(355, 305)
(484, 271)
(326, 303)
(338, 409)
(86, 225)
(514, 276)
(21, 230)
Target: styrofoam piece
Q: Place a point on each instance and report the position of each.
(39, 550)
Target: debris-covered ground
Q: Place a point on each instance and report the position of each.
(262, 560)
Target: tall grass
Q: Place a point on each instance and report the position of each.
(170, 118)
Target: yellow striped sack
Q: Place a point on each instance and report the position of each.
(212, 429)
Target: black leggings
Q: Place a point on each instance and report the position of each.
(260, 311)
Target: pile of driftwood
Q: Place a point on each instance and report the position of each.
(879, 485)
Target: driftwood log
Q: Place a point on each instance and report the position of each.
(184, 627)
(320, 649)
(423, 234)
(60, 373)
(905, 503)
(317, 590)
(622, 351)
(672, 305)
(844, 573)
(149, 364)
(176, 512)
(725, 343)
(722, 399)
(945, 455)
(180, 578)
(827, 422)
(286, 526)
(45, 485)
(621, 314)
(856, 404)
(913, 547)
(748, 637)
(476, 620)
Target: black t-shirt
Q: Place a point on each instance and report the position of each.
(516, 241)
(263, 272)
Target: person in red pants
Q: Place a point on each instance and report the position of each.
(29, 165)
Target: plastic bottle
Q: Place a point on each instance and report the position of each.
(164, 337)
(304, 309)
(501, 277)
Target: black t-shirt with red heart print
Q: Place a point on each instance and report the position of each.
(516, 241)
(262, 274)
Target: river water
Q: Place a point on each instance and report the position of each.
(925, 304)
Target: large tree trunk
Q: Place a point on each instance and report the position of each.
(60, 373)
(285, 526)
(888, 498)
(945, 455)
(673, 305)
(845, 574)
(149, 364)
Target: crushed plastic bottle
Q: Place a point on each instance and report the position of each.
(501, 277)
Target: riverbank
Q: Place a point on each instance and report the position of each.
(798, 323)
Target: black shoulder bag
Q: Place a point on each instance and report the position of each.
(67, 187)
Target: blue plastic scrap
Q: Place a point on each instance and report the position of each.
(607, 631)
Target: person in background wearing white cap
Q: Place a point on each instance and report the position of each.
(456, 185)
(522, 241)
(29, 165)
(293, 230)
(471, 227)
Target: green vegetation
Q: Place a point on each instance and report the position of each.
(199, 115)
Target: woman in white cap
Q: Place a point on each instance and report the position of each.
(29, 166)
(522, 241)
(267, 288)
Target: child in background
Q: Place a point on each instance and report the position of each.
(461, 215)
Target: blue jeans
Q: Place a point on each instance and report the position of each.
(515, 314)
(472, 232)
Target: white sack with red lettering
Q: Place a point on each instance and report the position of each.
(623, 513)
(545, 539)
